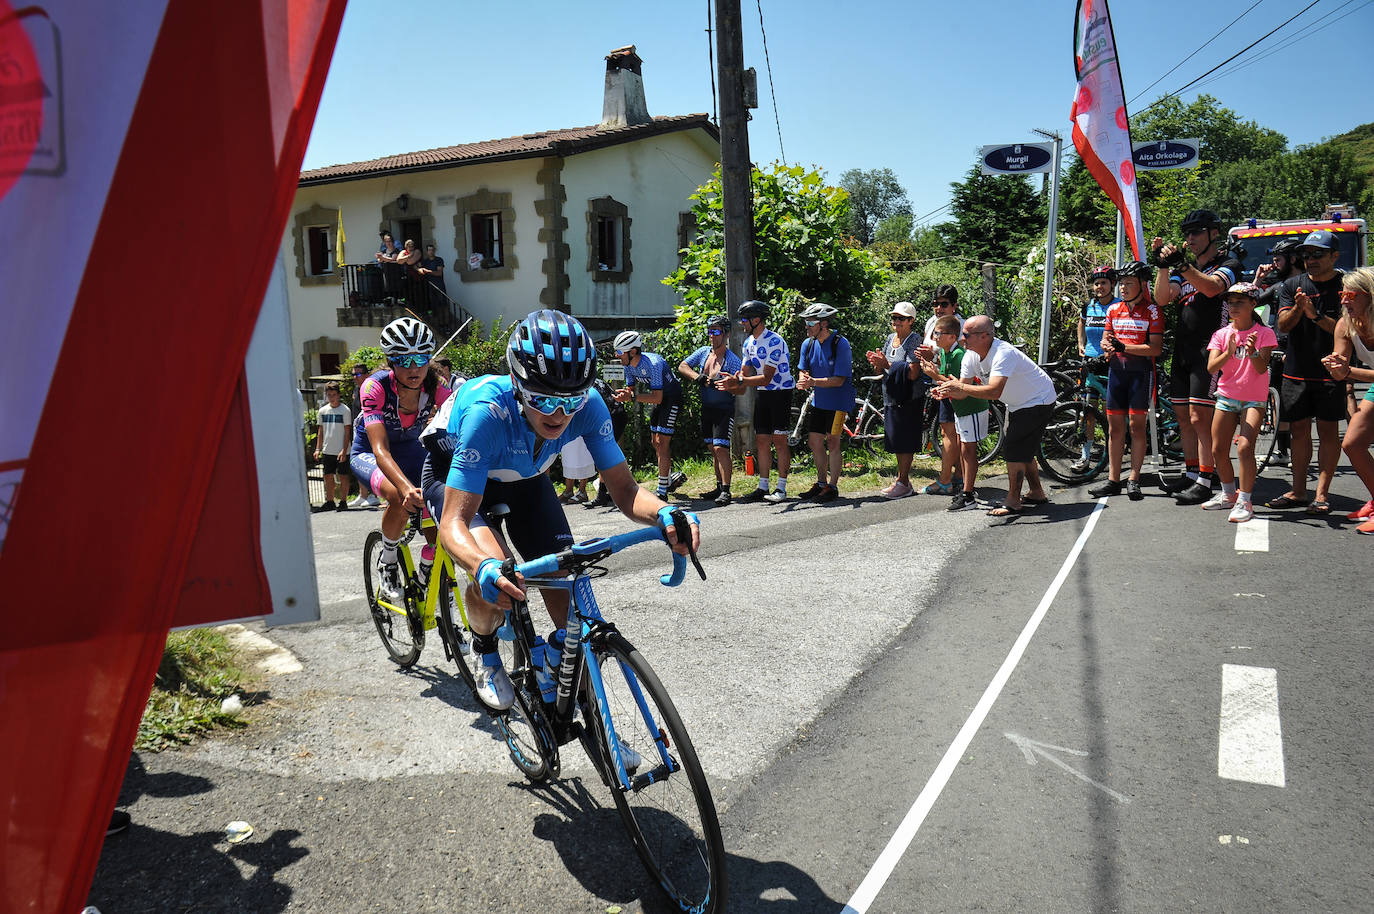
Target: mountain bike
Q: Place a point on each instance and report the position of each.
(863, 426)
(435, 602)
(628, 725)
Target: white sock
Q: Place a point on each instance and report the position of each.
(761, 483)
(782, 484)
(389, 550)
(1228, 488)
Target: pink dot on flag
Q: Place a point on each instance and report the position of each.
(1127, 174)
(1085, 98)
(21, 97)
(1121, 118)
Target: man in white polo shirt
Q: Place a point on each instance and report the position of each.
(1006, 373)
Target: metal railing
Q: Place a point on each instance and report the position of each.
(377, 293)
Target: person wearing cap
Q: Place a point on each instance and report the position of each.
(1134, 335)
(706, 367)
(1092, 320)
(1285, 262)
(1240, 355)
(1355, 340)
(767, 367)
(1199, 287)
(827, 368)
(662, 390)
(902, 417)
(1309, 308)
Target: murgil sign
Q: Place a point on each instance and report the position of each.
(1016, 159)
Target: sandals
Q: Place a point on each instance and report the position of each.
(1003, 510)
(1319, 507)
(1027, 500)
(1289, 500)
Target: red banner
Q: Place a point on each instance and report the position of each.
(1101, 131)
(158, 185)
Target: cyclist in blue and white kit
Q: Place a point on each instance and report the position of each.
(662, 390)
(766, 367)
(387, 456)
(506, 432)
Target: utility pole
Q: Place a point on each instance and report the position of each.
(737, 195)
(1047, 306)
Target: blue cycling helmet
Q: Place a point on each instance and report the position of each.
(550, 352)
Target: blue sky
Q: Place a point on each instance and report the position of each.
(916, 87)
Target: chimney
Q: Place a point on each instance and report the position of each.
(623, 105)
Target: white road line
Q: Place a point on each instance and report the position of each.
(1253, 536)
(1250, 740)
(906, 832)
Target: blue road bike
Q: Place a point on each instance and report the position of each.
(608, 697)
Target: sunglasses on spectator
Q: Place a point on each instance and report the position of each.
(943, 304)
(418, 360)
(1188, 233)
(900, 317)
(946, 333)
(812, 323)
(714, 332)
(549, 404)
(1312, 253)
(1351, 294)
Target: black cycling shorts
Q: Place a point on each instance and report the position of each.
(825, 421)
(535, 524)
(773, 412)
(717, 425)
(1189, 380)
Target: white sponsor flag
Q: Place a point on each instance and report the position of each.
(1101, 132)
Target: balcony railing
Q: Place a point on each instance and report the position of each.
(376, 294)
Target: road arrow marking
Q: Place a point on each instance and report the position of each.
(1030, 749)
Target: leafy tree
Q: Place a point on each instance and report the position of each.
(1225, 137)
(874, 195)
(895, 228)
(1075, 257)
(1294, 185)
(995, 218)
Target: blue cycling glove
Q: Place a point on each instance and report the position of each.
(488, 574)
(666, 518)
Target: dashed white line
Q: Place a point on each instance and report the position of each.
(906, 832)
(1250, 738)
(1253, 536)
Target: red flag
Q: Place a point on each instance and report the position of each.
(1101, 132)
(136, 247)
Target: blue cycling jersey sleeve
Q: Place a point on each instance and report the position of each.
(652, 370)
(697, 359)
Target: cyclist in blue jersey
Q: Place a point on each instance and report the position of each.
(1091, 322)
(826, 367)
(707, 367)
(506, 431)
(397, 403)
(649, 380)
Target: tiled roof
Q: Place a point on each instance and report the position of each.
(550, 142)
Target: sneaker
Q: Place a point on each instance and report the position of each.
(1176, 484)
(316, 509)
(775, 497)
(938, 488)
(1133, 490)
(494, 687)
(1242, 512)
(568, 498)
(1195, 494)
(711, 495)
(812, 492)
(602, 500)
(119, 821)
(1366, 527)
(342, 505)
(898, 489)
(829, 493)
(1080, 465)
(748, 498)
(391, 589)
(1219, 502)
(724, 498)
(675, 480)
(962, 501)
(628, 757)
(373, 501)
(359, 502)
(1280, 459)
(1110, 487)
(1364, 512)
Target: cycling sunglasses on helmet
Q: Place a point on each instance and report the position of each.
(415, 360)
(549, 404)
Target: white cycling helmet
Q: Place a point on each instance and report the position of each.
(820, 311)
(407, 336)
(627, 340)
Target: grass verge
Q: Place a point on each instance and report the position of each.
(199, 670)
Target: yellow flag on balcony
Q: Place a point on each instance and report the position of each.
(339, 239)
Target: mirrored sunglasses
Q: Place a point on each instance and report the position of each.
(418, 360)
(812, 323)
(549, 404)
(714, 332)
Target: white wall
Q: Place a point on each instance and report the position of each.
(654, 178)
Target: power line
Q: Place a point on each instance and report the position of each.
(1308, 31)
(1194, 54)
(769, 64)
(1232, 57)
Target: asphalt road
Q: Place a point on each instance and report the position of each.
(825, 670)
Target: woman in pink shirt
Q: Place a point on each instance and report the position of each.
(1240, 352)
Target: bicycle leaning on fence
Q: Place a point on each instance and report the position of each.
(863, 426)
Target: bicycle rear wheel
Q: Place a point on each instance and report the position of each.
(1268, 431)
(667, 810)
(870, 432)
(1071, 426)
(400, 627)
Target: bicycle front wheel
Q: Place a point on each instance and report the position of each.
(524, 725)
(1073, 426)
(401, 628)
(1268, 431)
(667, 809)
